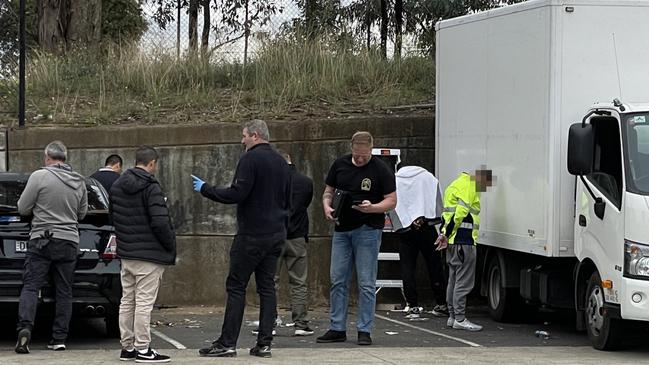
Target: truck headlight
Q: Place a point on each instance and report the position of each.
(636, 260)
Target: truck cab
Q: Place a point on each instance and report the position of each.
(608, 152)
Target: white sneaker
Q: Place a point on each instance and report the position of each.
(466, 325)
(449, 321)
(306, 331)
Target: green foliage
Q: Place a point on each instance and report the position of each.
(421, 15)
(122, 20)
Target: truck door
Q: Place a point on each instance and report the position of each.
(600, 237)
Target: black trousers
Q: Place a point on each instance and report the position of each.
(57, 258)
(412, 243)
(248, 255)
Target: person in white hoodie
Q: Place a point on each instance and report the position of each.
(57, 198)
(419, 201)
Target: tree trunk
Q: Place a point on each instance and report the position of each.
(368, 23)
(246, 34)
(398, 25)
(63, 23)
(205, 37)
(310, 17)
(384, 29)
(52, 24)
(84, 27)
(193, 26)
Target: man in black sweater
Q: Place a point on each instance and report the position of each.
(146, 244)
(108, 174)
(261, 190)
(294, 252)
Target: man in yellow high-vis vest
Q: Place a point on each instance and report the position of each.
(459, 234)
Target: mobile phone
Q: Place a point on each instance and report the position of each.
(357, 202)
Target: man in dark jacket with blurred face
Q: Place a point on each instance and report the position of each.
(146, 243)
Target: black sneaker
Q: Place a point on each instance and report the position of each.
(440, 310)
(24, 338)
(151, 356)
(127, 355)
(303, 331)
(364, 338)
(260, 351)
(218, 350)
(56, 345)
(332, 336)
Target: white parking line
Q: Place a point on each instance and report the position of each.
(472, 344)
(177, 344)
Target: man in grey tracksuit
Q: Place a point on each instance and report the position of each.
(57, 198)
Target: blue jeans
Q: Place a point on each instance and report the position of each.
(358, 247)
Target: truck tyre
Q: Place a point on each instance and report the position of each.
(504, 304)
(604, 332)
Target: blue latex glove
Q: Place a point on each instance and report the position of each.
(198, 183)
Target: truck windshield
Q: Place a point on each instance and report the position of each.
(637, 147)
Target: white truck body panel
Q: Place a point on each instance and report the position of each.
(510, 82)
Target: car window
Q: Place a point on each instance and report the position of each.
(10, 193)
(97, 197)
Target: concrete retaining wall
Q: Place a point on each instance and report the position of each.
(211, 151)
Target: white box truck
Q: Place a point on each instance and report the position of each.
(548, 94)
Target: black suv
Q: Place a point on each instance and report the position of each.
(97, 288)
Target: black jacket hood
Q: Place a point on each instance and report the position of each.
(136, 180)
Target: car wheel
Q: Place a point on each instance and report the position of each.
(604, 332)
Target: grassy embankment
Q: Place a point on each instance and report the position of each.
(286, 80)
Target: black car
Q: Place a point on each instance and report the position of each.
(97, 288)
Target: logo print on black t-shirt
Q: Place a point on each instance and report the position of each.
(366, 184)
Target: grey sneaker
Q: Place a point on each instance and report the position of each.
(466, 325)
(449, 322)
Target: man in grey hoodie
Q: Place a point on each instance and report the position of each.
(57, 198)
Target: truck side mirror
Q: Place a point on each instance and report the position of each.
(581, 145)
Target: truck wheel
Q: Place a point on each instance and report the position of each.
(505, 304)
(498, 297)
(604, 332)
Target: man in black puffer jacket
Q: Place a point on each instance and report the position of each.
(146, 242)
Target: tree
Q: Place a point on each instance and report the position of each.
(241, 15)
(122, 21)
(318, 17)
(398, 27)
(64, 23)
(207, 25)
(193, 26)
(363, 14)
(384, 28)
(421, 16)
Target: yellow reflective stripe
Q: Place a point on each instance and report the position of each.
(469, 226)
(471, 210)
(449, 210)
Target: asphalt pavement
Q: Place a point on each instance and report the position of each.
(179, 332)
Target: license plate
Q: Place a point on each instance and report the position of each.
(21, 246)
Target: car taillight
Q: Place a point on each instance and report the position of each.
(111, 249)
